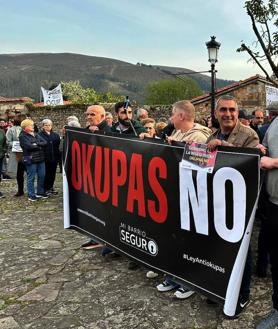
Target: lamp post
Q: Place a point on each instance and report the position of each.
(212, 47)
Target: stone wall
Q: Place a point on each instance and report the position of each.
(59, 114)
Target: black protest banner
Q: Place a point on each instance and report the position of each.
(137, 197)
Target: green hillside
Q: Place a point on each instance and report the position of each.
(24, 74)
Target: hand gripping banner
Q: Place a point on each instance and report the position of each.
(138, 198)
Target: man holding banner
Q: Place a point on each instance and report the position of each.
(192, 225)
(271, 164)
(95, 115)
(233, 133)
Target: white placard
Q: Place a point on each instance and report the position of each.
(271, 95)
(53, 97)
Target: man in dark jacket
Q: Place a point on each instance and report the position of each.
(125, 124)
(52, 155)
(96, 118)
(33, 157)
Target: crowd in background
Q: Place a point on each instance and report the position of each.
(37, 150)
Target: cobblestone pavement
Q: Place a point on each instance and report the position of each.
(48, 282)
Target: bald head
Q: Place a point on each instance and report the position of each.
(95, 114)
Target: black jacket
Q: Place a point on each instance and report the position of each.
(103, 127)
(32, 146)
(51, 150)
(129, 131)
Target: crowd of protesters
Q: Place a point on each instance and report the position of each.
(37, 151)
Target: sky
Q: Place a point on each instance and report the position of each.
(156, 32)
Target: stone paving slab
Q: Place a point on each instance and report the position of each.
(47, 281)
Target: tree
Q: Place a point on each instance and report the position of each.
(73, 91)
(264, 17)
(170, 91)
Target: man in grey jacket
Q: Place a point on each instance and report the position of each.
(270, 163)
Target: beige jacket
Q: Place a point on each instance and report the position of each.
(197, 133)
(241, 136)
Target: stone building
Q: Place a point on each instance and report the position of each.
(251, 94)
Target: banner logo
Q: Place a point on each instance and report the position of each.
(138, 239)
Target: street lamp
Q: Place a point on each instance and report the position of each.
(212, 47)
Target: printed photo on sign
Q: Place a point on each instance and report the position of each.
(197, 157)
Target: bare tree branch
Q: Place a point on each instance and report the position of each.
(271, 63)
(249, 51)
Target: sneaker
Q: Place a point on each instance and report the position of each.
(270, 321)
(2, 195)
(42, 196)
(6, 177)
(51, 191)
(91, 245)
(166, 286)
(183, 293)
(241, 305)
(54, 192)
(151, 274)
(32, 198)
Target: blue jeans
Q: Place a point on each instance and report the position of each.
(34, 169)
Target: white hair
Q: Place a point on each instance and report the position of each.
(74, 123)
(46, 122)
(72, 118)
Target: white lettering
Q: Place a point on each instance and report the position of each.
(239, 204)
(199, 202)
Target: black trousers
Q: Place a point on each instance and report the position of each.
(20, 176)
(272, 233)
(50, 174)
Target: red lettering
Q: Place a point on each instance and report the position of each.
(102, 173)
(86, 168)
(76, 177)
(135, 186)
(119, 174)
(157, 165)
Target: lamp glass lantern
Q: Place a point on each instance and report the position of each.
(213, 47)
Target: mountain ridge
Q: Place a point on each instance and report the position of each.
(23, 74)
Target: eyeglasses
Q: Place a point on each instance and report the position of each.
(259, 118)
